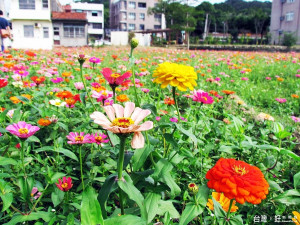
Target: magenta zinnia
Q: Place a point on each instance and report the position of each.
(203, 97)
(114, 79)
(22, 129)
(78, 138)
(125, 120)
(98, 138)
(65, 184)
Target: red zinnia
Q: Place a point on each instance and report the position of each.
(65, 184)
(38, 80)
(238, 180)
(3, 82)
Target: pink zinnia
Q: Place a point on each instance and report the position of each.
(203, 97)
(245, 78)
(125, 120)
(145, 90)
(268, 78)
(78, 138)
(22, 129)
(114, 79)
(57, 80)
(174, 119)
(102, 95)
(79, 85)
(281, 100)
(94, 60)
(98, 138)
(296, 119)
(35, 193)
(297, 75)
(65, 184)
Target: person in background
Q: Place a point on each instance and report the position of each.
(4, 24)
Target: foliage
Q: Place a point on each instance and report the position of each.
(289, 39)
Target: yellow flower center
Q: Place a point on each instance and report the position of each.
(38, 79)
(123, 122)
(64, 185)
(57, 103)
(79, 138)
(21, 72)
(240, 170)
(98, 138)
(205, 99)
(115, 75)
(23, 131)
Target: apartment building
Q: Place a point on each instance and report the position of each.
(31, 22)
(285, 18)
(132, 15)
(95, 18)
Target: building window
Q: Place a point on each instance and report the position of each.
(289, 16)
(132, 16)
(124, 15)
(26, 4)
(142, 27)
(56, 30)
(142, 16)
(94, 13)
(45, 4)
(73, 31)
(157, 17)
(46, 32)
(157, 27)
(97, 25)
(131, 26)
(132, 5)
(78, 10)
(28, 31)
(142, 5)
(291, 1)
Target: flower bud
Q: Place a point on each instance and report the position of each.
(193, 188)
(134, 43)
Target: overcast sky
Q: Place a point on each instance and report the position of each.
(211, 1)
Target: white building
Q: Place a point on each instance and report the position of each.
(31, 23)
(95, 17)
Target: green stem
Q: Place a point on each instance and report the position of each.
(133, 81)
(33, 208)
(120, 168)
(81, 173)
(229, 209)
(176, 104)
(85, 88)
(22, 157)
(114, 93)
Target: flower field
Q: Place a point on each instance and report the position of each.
(149, 136)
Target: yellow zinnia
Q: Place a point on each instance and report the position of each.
(176, 75)
(224, 202)
(296, 219)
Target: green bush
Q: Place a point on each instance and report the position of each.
(289, 39)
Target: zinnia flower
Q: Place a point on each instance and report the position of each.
(203, 97)
(281, 100)
(296, 119)
(98, 138)
(125, 120)
(94, 60)
(263, 116)
(22, 129)
(57, 102)
(78, 138)
(79, 85)
(224, 202)
(35, 193)
(114, 79)
(122, 98)
(3, 82)
(176, 75)
(228, 92)
(296, 218)
(44, 122)
(238, 180)
(169, 101)
(65, 184)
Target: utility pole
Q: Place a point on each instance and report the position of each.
(205, 27)
(187, 26)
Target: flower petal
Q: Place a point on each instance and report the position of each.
(142, 115)
(129, 108)
(138, 140)
(99, 116)
(110, 111)
(119, 110)
(146, 126)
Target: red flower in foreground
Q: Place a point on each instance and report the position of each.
(65, 184)
(238, 180)
(3, 82)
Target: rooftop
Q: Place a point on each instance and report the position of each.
(68, 16)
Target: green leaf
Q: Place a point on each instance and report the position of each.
(150, 202)
(140, 156)
(296, 180)
(7, 199)
(57, 196)
(33, 139)
(82, 98)
(290, 197)
(44, 149)
(237, 220)
(133, 193)
(68, 153)
(190, 212)
(125, 220)
(109, 186)
(90, 211)
(7, 161)
(162, 173)
(167, 207)
(187, 133)
(290, 153)
(17, 218)
(64, 126)
(169, 138)
(219, 211)
(70, 219)
(26, 185)
(17, 115)
(151, 107)
(226, 149)
(274, 185)
(202, 195)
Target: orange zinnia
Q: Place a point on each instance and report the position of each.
(169, 101)
(44, 122)
(122, 98)
(238, 180)
(228, 92)
(64, 94)
(295, 96)
(66, 74)
(280, 79)
(224, 202)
